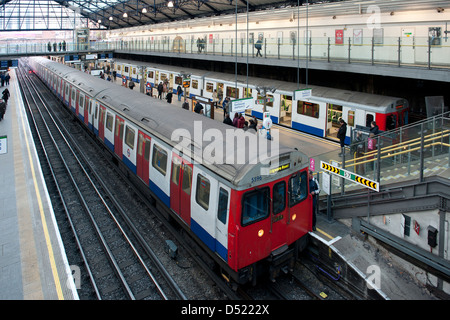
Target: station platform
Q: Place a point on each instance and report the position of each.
(391, 276)
(33, 263)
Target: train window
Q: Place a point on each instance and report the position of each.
(109, 122)
(255, 206)
(391, 121)
(351, 118)
(233, 92)
(369, 119)
(159, 160)
(96, 112)
(187, 180)
(118, 67)
(194, 84)
(178, 80)
(134, 70)
(81, 101)
(129, 137)
(209, 87)
(223, 206)
(202, 194)
(308, 109)
(147, 149)
(176, 167)
(279, 197)
(150, 74)
(126, 69)
(73, 94)
(298, 188)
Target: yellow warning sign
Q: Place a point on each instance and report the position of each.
(350, 176)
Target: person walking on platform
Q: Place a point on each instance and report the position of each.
(2, 109)
(5, 95)
(314, 190)
(258, 46)
(374, 128)
(7, 77)
(227, 120)
(131, 84)
(342, 133)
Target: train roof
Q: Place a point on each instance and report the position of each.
(176, 126)
(352, 99)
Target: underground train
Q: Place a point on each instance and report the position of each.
(317, 114)
(249, 208)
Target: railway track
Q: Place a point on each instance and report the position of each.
(116, 263)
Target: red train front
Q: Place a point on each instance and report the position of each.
(269, 222)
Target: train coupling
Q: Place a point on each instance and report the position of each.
(281, 260)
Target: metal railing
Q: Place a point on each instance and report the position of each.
(410, 152)
(423, 52)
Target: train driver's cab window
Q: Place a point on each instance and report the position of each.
(279, 197)
(202, 193)
(255, 206)
(391, 121)
(298, 188)
(159, 159)
(129, 137)
(223, 206)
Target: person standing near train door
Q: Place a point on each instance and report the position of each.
(342, 133)
(314, 190)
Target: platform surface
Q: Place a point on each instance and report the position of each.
(33, 263)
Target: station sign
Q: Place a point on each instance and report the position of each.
(373, 185)
(240, 105)
(302, 94)
(186, 83)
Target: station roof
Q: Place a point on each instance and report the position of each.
(116, 14)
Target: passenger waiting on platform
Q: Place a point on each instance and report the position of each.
(227, 120)
(253, 124)
(185, 105)
(314, 190)
(342, 132)
(198, 108)
(241, 121)
(179, 92)
(160, 90)
(131, 84)
(114, 73)
(169, 96)
(60, 46)
(7, 77)
(54, 46)
(49, 46)
(374, 128)
(5, 95)
(64, 45)
(2, 109)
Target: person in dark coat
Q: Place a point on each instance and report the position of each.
(374, 128)
(342, 134)
(227, 120)
(314, 190)
(198, 108)
(169, 97)
(2, 109)
(5, 95)
(7, 77)
(160, 90)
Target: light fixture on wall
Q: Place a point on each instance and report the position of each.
(110, 18)
(440, 10)
(125, 15)
(170, 4)
(144, 10)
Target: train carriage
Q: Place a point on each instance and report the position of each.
(224, 206)
(318, 115)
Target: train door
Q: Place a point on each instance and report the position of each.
(80, 106)
(223, 209)
(180, 187)
(73, 100)
(143, 157)
(286, 110)
(280, 215)
(118, 136)
(86, 110)
(101, 123)
(334, 112)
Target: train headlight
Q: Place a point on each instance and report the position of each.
(260, 233)
(294, 216)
